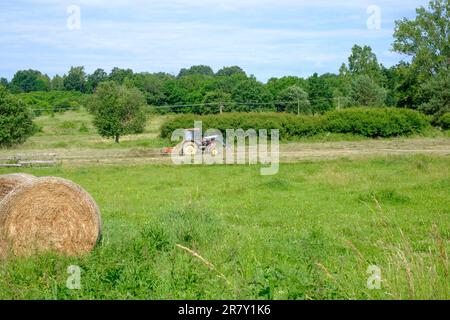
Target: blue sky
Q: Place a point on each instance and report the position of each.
(268, 38)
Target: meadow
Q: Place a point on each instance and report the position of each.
(309, 232)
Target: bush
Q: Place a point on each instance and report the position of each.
(444, 121)
(368, 122)
(16, 123)
(376, 122)
(52, 101)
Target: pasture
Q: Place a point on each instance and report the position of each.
(310, 232)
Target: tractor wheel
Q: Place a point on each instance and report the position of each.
(213, 149)
(190, 148)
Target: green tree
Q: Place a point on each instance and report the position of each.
(152, 85)
(4, 82)
(75, 80)
(16, 123)
(119, 75)
(293, 99)
(363, 61)
(320, 94)
(276, 85)
(199, 70)
(426, 38)
(365, 92)
(94, 79)
(28, 81)
(229, 71)
(437, 91)
(57, 83)
(251, 95)
(215, 101)
(187, 90)
(117, 110)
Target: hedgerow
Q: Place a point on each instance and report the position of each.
(368, 122)
(444, 121)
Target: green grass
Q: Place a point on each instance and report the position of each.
(74, 130)
(309, 232)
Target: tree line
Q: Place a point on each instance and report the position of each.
(421, 82)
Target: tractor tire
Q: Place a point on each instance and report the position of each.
(214, 149)
(190, 148)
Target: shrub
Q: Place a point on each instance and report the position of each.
(444, 121)
(368, 122)
(16, 123)
(375, 122)
(52, 101)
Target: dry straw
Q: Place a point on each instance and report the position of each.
(8, 182)
(48, 215)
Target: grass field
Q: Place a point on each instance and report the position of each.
(310, 232)
(74, 130)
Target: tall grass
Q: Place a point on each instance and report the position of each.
(217, 232)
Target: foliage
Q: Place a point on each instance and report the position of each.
(53, 101)
(365, 92)
(444, 121)
(119, 75)
(363, 62)
(293, 99)
(75, 80)
(196, 70)
(320, 94)
(437, 92)
(4, 82)
(29, 80)
(117, 110)
(214, 101)
(57, 83)
(375, 122)
(276, 85)
(426, 38)
(229, 71)
(16, 123)
(251, 95)
(94, 79)
(368, 122)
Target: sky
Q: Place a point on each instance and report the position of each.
(267, 38)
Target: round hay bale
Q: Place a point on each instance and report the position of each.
(8, 182)
(48, 215)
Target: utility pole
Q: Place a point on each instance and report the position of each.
(298, 106)
(221, 108)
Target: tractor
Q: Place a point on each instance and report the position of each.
(210, 144)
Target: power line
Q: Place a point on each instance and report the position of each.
(211, 104)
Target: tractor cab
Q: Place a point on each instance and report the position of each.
(189, 134)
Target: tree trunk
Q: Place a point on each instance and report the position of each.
(117, 138)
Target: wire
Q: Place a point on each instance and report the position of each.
(211, 104)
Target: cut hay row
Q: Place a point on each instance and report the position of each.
(48, 215)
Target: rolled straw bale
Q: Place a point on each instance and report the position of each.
(48, 215)
(9, 182)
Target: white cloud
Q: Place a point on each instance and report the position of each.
(264, 36)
